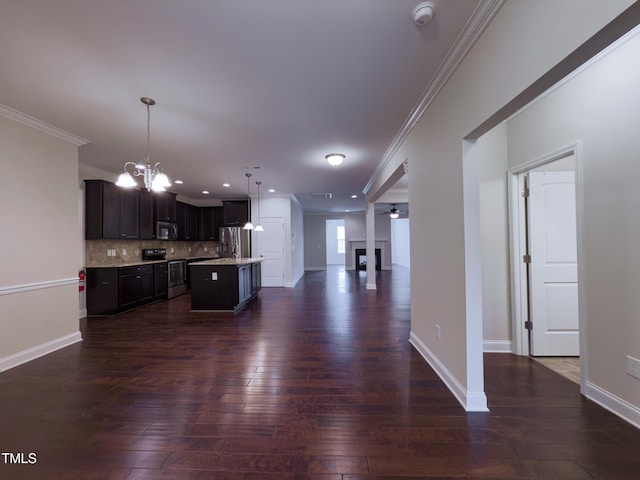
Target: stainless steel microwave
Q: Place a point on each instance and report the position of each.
(166, 231)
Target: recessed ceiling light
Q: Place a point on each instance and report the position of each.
(347, 210)
(226, 185)
(206, 192)
(271, 190)
(354, 196)
(335, 159)
(179, 182)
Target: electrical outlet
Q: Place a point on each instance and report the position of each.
(214, 275)
(438, 332)
(124, 251)
(205, 249)
(108, 252)
(633, 366)
(189, 248)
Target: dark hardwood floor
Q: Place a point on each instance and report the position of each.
(316, 382)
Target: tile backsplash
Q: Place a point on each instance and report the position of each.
(128, 251)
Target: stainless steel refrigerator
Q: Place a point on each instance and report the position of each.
(235, 242)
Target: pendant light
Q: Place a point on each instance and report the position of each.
(248, 225)
(259, 227)
(154, 178)
(394, 213)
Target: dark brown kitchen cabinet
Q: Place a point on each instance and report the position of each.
(187, 220)
(160, 280)
(165, 206)
(102, 291)
(235, 212)
(135, 286)
(210, 221)
(110, 212)
(146, 215)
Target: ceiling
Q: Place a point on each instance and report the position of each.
(266, 85)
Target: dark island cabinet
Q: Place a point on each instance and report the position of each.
(111, 212)
(210, 221)
(235, 212)
(223, 287)
(187, 220)
(135, 286)
(165, 206)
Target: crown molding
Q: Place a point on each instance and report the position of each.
(478, 22)
(36, 124)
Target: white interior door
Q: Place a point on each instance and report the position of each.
(271, 248)
(553, 272)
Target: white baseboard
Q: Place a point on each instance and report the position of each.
(82, 313)
(295, 281)
(613, 403)
(470, 401)
(497, 346)
(38, 351)
(314, 269)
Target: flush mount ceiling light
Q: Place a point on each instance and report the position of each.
(335, 159)
(154, 178)
(248, 225)
(423, 13)
(394, 213)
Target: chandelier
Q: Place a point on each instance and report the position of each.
(153, 177)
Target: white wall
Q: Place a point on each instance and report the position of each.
(496, 297)
(400, 244)
(599, 108)
(524, 42)
(331, 235)
(41, 247)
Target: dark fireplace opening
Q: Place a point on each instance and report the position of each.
(361, 259)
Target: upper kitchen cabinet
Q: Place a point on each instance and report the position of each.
(187, 220)
(210, 221)
(165, 206)
(235, 212)
(110, 212)
(147, 230)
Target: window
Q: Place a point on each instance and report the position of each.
(340, 238)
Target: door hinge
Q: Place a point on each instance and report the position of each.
(525, 192)
(526, 258)
(528, 325)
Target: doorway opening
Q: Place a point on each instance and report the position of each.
(545, 257)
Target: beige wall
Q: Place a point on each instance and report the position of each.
(599, 108)
(524, 41)
(496, 295)
(315, 251)
(41, 243)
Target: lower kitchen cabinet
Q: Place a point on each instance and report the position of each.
(114, 289)
(160, 280)
(102, 291)
(135, 286)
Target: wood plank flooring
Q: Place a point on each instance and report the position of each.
(317, 382)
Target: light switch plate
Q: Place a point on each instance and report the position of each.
(633, 366)
(214, 275)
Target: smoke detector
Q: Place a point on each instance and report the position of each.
(423, 13)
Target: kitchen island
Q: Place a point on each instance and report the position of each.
(224, 284)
